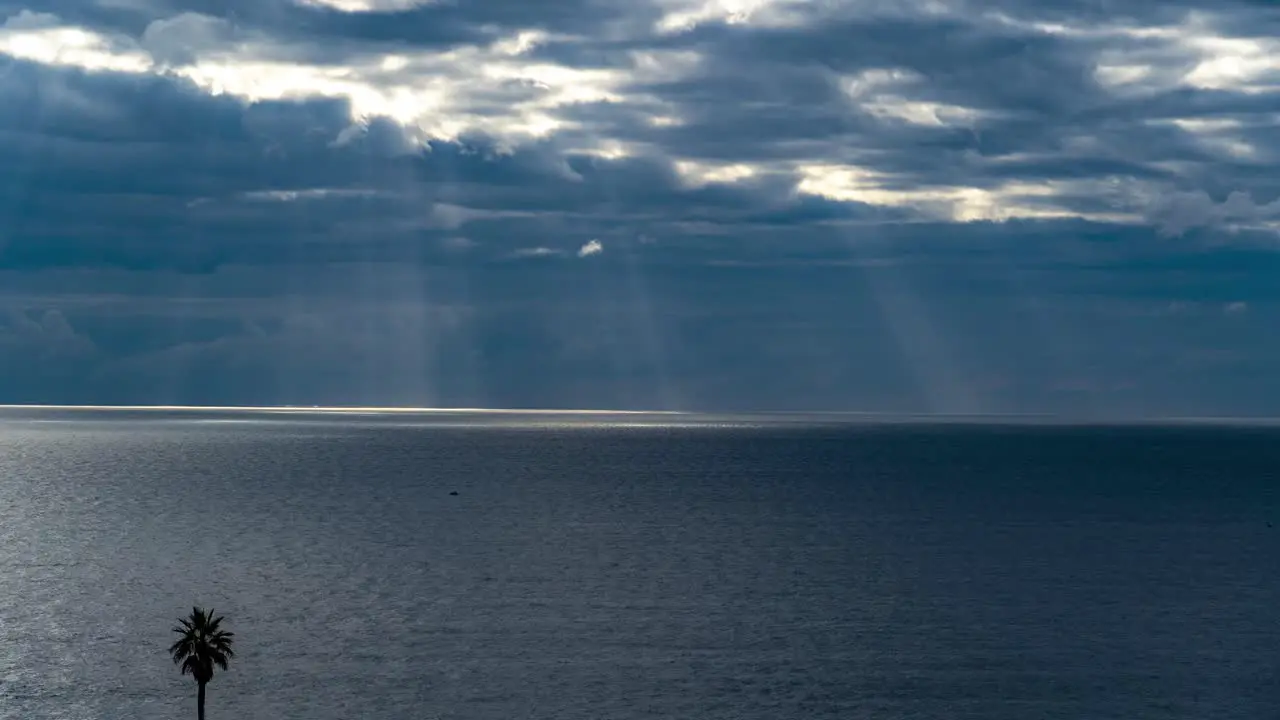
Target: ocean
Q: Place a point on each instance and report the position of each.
(623, 567)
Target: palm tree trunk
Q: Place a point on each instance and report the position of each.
(200, 702)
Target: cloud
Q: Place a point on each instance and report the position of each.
(734, 92)
(848, 204)
(47, 335)
(535, 252)
(458, 243)
(1177, 213)
(179, 41)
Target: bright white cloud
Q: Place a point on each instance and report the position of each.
(884, 93)
(1223, 136)
(307, 194)
(1119, 76)
(957, 203)
(441, 95)
(1248, 65)
(356, 6)
(682, 15)
(1155, 62)
(696, 173)
(593, 247)
(39, 37)
(1191, 54)
(434, 94)
(535, 252)
(922, 113)
(847, 183)
(869, 83)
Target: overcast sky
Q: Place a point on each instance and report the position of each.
(942, 206)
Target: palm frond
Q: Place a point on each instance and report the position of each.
(202, 645)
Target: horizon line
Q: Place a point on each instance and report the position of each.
(548, 411)
(1047, 418)
(343, 408)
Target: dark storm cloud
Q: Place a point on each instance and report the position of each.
(770, 93)
(161, 243)
(216, 180)
(1139, 12)
(325, 34)
(763, 93)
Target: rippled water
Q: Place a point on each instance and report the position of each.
(612, 572)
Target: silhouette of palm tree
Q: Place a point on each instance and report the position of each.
(203, 646)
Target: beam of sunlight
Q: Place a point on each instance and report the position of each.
(1059, 344)
(649, 380)
(920, 340)
(470, 361)
(390, 307)
(644, 318)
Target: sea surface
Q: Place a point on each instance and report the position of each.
(620, 567)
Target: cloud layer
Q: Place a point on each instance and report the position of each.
(899, 206)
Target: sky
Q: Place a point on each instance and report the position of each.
(899, 206)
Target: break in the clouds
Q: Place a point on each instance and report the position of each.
(920, 205)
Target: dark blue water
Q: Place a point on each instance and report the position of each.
(604, 571)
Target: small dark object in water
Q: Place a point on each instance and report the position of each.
(453, 492)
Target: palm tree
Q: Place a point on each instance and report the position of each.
(202, 646)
